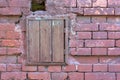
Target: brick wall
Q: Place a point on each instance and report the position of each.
(94, 41)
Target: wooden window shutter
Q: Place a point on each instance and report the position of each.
(47, 41)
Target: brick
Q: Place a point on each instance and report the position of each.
(113, 20)
(13, 51)
(113, 51)
(75, 10)
(14, 67)
(83, 19)
(3, 3)
(99, 3)
(11, 59)
(85, 67)
(100, 76)
(117, 11)
(84, 3)
(83, 51)
(99, 43)
(114, 67)
(59, 76)
(99, 51)
(7, 26)
(86, 27)
(13, 75)
(118, 76)
(2, 35)
(114, 35)
(3, 51)
(118, 43)
(84, 35)
(73, 51)
(100, 67)
(76, 43)
(54, 68)
(113, 3)
(12, 35)
(69, 68)
(10, 11)
(42, 68)
(99, 11)
(99, 35)
(76, 76)
(29, 68)
(109, 27)
(10, 43)
(39, 75)
(71, 3)
(98, 19)
(2, 67)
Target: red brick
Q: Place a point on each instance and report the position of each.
(117, 11)
(114, 67)
(86, 27)
(99, 3)
(99, 43)
(3, 3)
(100, 76)
(114, 35)
(29, 68)
(14, 67)
(83, 51)
(76, 76)
(70, 3)
(12, 35)
(99, 51)
(113, 20)
(100, 67)
(2, 67)
(39, 75)
(3, 51)
(109, 27)
(2, 35)
(85, 67)
(10, 11)
(13, 75)
(73, 51)
(84, 3)
(84, 35)
(10, 43)
(113, 3)
(83, 19)
(13, 51)
(42, 68)
(98, 19)
(69, 68)
(113, 51)
(75, 10)
(118, 76)
(99, 11)
(7, 26)
(54, 68)
(59, 76)
(118, 43)
(99, 35)
(76, 43)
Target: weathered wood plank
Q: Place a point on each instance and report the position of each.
(58, 40)
(45, 44)
(33, 41)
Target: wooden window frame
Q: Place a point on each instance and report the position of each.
(66, 29)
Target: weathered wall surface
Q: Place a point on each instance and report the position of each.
(94, 42)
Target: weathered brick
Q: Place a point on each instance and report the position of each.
(86, 27)
(42, 68)
(84, 35)
(29, 68)
(76, 76)
(99, 35)
(12, 35)
(84, 3)
(113, 51)
(11, 59)
(113, 19)
(73, 51)
(118, 43)
(39, 75)
(114, 67)
(75, 10)
(109, 27)
(114, 35)
(99, 19)
(2, 67)
(85, 67)
(99, 43)
(3, 3)
(69, 68)
(113, 3)
(99, 3)
(76, 43)
(13, 51)
(2, 35)
(83, 51)
(54, 68)
(7, 26)
(3, 51)
(99, 11)
(100, 76)
(118, 76)
(14, 67)
(83, 19)
(13, 75)
(117, 11)
(99, 51)
(100, 67)
(59, 76)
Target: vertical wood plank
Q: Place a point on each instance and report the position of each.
(45, 44)
(58, 40)
(33, 41)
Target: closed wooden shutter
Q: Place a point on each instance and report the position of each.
(46, 42)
